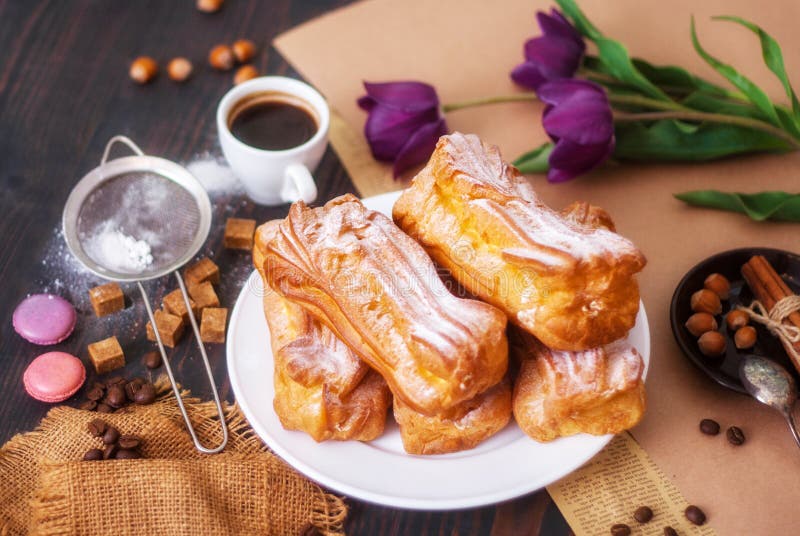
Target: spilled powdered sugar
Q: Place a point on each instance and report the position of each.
(215, 175)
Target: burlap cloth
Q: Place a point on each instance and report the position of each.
(46, 488)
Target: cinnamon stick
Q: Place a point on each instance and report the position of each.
(774, 283)
(768, 287)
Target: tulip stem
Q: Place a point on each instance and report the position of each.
(516, 97)
(711, 118)
(632, 100)
(646, 102)
(667, 110)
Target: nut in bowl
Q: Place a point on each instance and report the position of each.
(718, 347)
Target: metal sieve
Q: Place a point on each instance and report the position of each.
(137, 218)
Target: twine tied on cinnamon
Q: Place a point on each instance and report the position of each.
(774, 318)
(780, 308)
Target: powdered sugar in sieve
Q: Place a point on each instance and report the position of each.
(137, 223)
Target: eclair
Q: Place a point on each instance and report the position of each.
(378, 291)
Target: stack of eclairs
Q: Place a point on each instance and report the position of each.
(361, 319)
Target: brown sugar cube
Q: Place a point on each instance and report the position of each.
(174, 304)
(169, 326)
(107, 299)
(204, 295)
(201, 271)
(106, 355)
(239, 233)
(212, 327)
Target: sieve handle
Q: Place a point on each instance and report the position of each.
(120, 139)
(198, 445)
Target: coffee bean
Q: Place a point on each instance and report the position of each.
(102, 407)
(145, 395)
(115, 380)
(152, 360)
(132, 387)
(111, 436)
(95, 394)
(669, 531)
(620, 529)
(97, 427)
(116, 396)
(110, 451)
(735, 435)
(93, 455)
(643, 514)
(709, 427)
(89, 405)
(129, 442)
(127, 454)
(695, 515)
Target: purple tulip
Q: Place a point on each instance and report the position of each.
(554, 55)
(579, 120)
(404, 123)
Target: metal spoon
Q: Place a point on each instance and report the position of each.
(770, 384)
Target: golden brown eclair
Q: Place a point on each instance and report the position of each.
(321, 387)
(460, 428)
(560, 393)
(570, 285)
(379, 292)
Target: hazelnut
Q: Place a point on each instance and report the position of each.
(745, 337)
(705, 301)
(737, 319)
(209, 6)
(244, 50)
(143, 69)
(699, 323)
(179, 69)
(244, 73)
(719, 285)
(221, 57)
(712, 343)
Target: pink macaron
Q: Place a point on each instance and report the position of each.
(54, 376)
(44, 319)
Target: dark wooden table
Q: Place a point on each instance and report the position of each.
(64, 91)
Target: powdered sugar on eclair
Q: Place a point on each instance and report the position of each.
(379, 292)
(500, 190)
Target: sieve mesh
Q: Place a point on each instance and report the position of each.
(138, 223)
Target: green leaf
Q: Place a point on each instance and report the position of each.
(704, 102)
(709, 103)
(613, 54)
(674, 79)
(773, 58)
(666, 140)
(753, 93)
(535, 161)
(761, 206)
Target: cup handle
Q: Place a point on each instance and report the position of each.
(298, 184)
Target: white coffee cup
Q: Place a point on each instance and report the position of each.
(275, 177)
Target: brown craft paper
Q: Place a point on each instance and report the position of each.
(466, 49)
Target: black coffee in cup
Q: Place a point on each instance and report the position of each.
(272, 120)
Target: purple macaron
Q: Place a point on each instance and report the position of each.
(44, 319)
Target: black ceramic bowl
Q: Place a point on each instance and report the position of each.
(725, 369)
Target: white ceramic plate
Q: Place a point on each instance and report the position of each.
(506, 466)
